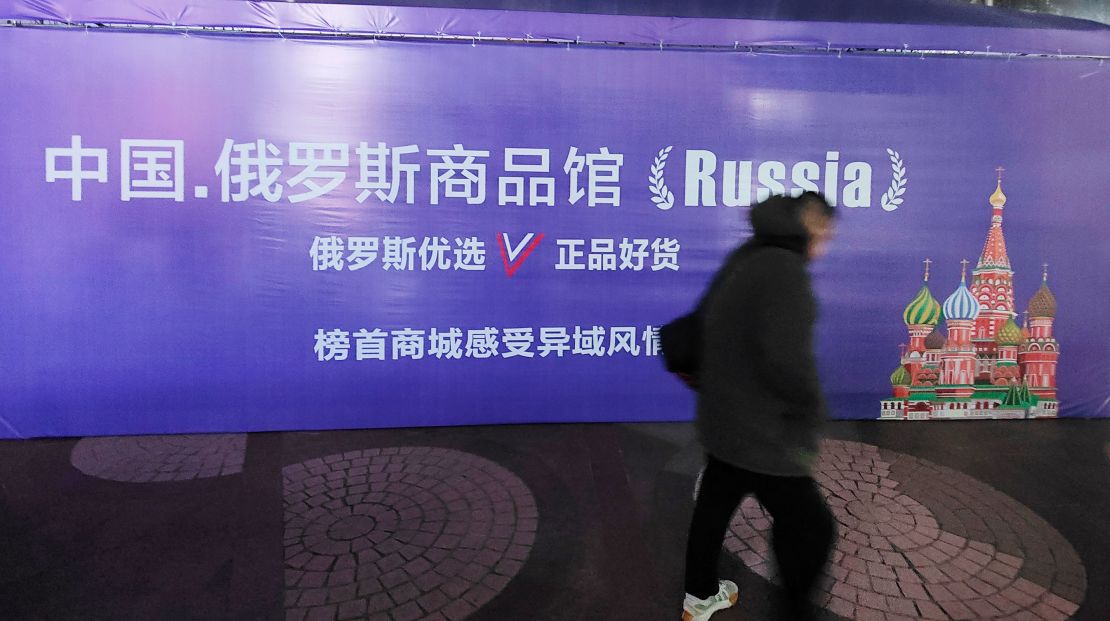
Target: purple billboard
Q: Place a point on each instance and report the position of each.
(208, 233)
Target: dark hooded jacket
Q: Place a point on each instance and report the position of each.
(759, 403)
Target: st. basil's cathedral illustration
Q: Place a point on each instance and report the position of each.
(983, 366)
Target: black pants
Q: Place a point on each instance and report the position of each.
(802, 536)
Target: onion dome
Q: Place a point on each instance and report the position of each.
(900, 377)
(961, 305)
(923, 309)
(998, 199)
(1043, 303)
(935, 340)
(1010, 334)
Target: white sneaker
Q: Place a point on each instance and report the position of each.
(694, 609)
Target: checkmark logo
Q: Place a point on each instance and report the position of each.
(514, 255)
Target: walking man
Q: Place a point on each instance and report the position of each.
(760, 407)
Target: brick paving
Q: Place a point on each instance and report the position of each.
(143, 459)
(402, 534)
(918, 540)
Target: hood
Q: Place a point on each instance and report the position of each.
(776, 222)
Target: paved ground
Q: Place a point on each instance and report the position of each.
(402, 533)
(1001, 520)
(157, 459)
(919, 540)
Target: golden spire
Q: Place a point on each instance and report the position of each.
(927, 262)
(998, 199)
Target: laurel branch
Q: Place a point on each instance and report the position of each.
(893, 196)
(660, 195)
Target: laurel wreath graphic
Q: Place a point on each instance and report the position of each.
(893, 196)
(660, 195)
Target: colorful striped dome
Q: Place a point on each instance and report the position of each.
(961, 305)
(923, 310)
(1010, 334)
(1043, 303)
(900, 377)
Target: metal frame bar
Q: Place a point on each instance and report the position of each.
(310, 34)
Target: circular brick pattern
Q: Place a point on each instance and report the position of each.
(918, 540)
(401, 534)
(142, 459)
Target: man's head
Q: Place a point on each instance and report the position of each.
(818, 218)
(803, 224)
